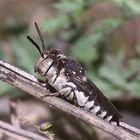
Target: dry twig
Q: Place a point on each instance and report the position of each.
(18, 134)
(28, 83)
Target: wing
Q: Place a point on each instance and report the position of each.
(72, 68)
(97, 101)
(87, 94)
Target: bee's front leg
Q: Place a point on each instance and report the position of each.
(47, 85)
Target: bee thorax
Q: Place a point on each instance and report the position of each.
(58, 81)
(51, 72)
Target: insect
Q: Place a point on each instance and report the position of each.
(69, 78)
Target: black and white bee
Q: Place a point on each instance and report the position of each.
(69, 79)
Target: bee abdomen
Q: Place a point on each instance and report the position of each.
(99, 111)
(90, 105)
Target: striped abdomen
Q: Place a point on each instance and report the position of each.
(92, 99)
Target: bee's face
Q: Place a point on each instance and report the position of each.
(49, 60)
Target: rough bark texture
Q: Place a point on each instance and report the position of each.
(28, 83)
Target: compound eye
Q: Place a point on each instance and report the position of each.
(44, 66)
(41, 69)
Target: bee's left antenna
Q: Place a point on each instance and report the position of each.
(31, 40)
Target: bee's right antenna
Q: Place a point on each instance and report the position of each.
(41, 37)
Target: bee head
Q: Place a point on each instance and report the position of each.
(46, 65)
(48, 58)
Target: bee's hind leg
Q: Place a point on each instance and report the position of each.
(57, 93)
(50, 94)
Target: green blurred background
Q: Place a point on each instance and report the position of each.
(104, 36)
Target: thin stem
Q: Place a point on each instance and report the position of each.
(28, 83)
(19, 134)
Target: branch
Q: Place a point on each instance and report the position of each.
(28, 83)
(18, 134)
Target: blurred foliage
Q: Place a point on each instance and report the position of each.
(24, 53)
(88, 44)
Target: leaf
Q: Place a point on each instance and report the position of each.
(106, 88)
(134, 64)
(84, 51)
(44, 127)
(134, 6)
(24, 54)
(138, 48)
(113, 76)
(1, 54)
(4, 87)
(118, 2)
(57, 23)
(134, 88)
(108, 25)
(112, 70)
(69, 6)
(131, 5)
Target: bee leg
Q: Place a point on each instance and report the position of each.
(42, 81)
(51, 88)
(50, 94)
(47, 85)
(63, 91)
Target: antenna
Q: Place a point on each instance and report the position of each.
(34, 43)
(41, 37)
